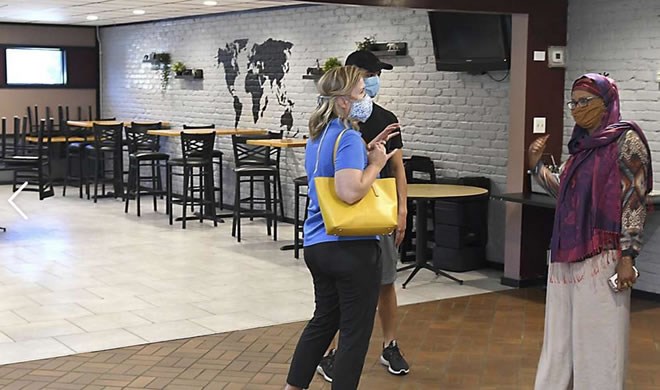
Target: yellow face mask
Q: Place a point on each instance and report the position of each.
(589, 117)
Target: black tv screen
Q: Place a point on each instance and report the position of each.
(468, 42)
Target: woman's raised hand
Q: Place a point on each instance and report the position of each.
(536, 150)
(385, 135)
(378, 155)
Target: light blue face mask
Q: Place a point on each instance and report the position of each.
(372, 85)
(361, 109)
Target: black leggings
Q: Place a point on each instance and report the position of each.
(346, 285)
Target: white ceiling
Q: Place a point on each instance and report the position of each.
(110, 12)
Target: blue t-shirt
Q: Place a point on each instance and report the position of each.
(351, 154)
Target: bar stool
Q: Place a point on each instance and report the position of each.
(138, 159)
(107, 141)
(300, 190)
(217, 159)
(419, 169)
(255, 164)
(197, 154)
(152, 145)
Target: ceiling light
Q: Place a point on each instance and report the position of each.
(92, 17)
(139, 12)
(210, 2)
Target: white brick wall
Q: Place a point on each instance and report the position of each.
(459, 120)
(621, 37)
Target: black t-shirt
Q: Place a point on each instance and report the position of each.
(380, 118)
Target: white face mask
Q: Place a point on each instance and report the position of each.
(361, 109)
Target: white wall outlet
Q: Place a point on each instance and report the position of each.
(539, 125)
(539, 55)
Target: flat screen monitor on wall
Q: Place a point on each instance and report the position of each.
(35, 66)
(469, 42)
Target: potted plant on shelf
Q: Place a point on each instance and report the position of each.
(330, 63)
(178, 68)
(162, 61)
(367, 43)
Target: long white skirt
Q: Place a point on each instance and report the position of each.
(585, 346)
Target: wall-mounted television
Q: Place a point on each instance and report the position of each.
(471, 42)
(35, 66)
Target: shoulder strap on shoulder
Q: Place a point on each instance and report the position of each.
(334, 151)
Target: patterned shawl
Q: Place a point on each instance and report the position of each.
(588, 214)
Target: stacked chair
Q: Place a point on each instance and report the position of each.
(30, 163)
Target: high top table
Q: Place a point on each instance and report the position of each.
(421, 194)
(279, 142)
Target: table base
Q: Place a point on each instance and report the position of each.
(417, 267)
(288, 247)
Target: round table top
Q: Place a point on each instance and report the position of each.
(443, 191)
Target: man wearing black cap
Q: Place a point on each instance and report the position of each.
(387, 304)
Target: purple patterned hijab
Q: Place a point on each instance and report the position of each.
(588, 214)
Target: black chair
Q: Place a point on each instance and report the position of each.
(104, 150)
(11, 143)
(3, 142)
(76, 140)
(300, 192)
(197, 155)
(151, 144)
(256, 164)
(138, 159)
(32, 165)
(217, 159)
(419, 169)
(20, 145)
(14, 144)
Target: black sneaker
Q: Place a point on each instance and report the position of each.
(393, 360)
(327, 365)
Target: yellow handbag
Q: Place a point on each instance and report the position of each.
(374, 214)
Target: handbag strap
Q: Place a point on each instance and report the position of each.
(334, 153)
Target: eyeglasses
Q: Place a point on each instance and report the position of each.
(581, 102)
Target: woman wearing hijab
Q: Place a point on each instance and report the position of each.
(601, 208)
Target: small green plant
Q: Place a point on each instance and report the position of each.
(163, 61)
(330, 63)
(164, 76)
(366, 43)
(179, 67)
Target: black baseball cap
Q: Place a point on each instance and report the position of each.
(367, 60)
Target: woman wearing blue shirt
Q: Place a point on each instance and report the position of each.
(345, 270)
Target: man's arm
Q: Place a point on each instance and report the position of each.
(399, 173)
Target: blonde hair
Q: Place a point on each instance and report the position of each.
(336, 82)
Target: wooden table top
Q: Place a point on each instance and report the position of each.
(443, 191)
(90, 124)
(60, 139)
(279, 143)
(177, 132)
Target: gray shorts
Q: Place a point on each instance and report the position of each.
(389, 257)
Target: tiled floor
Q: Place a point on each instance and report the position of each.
(80, 277)
(480, 342)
